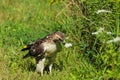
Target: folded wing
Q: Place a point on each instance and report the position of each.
(35, 49)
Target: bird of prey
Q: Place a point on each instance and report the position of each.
(45, 48)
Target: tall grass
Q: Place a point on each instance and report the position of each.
(90, 57)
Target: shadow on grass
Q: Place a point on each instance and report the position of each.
(32, 67)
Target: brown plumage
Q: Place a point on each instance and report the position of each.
(45, 48)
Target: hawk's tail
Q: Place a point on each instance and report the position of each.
(26, 47)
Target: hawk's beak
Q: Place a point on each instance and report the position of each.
(62, 40)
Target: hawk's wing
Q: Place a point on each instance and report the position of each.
(36, 49)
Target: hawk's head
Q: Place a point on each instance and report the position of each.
(57, 36)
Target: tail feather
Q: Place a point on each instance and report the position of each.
(24, 49)
(27, 47)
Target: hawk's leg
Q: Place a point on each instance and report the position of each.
(50, 68)
(40, 66)
(50, 64)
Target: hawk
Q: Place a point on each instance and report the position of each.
(45, 48)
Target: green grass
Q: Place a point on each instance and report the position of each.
(90, 57)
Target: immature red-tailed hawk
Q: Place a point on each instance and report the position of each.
(43, 49)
